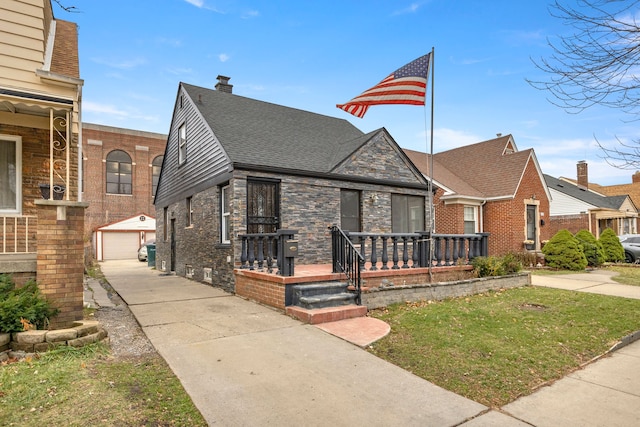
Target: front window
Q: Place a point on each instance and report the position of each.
(10, 174)
(156, 165)
(182, 144)
(118, 173)
(350, 210)
(470, 223)
(225, 215)
(407, 213)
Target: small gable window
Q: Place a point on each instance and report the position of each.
(182, 143)
(118, 172)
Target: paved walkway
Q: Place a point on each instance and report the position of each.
(244, 364)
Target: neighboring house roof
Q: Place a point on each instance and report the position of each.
(633, 190)
(258, 133)
(486, 170)
(585, 195)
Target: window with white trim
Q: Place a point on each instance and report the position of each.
(119, 175)
(10, 174)
(470, 220)
(182, 143)
(225, 214)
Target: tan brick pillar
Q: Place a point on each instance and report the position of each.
(60, 258)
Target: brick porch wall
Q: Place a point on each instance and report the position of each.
(60, 266)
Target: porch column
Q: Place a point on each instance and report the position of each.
(60, 259)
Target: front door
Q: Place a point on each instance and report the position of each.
(532, 226)
(263, 206)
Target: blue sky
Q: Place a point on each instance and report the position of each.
(313, 55)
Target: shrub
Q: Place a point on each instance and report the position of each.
(564, 252)
(613, 250)
(22, 306)
(591, 248)
(496, 266)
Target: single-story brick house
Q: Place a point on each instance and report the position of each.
(235, 165)
(490, 187)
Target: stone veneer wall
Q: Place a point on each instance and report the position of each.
(80, 334)
(386, 295)
(60, 266)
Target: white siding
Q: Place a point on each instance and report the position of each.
(562, 204)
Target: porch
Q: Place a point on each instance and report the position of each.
(413, 271)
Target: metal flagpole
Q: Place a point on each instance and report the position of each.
(431, 209)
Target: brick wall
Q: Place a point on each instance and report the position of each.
(143, 147)
(505, 220)
(573, 223)
(60, 267)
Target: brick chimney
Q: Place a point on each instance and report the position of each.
(583, 174)
(635, 178)
(223, 84)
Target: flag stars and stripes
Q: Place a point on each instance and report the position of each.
(406, 85)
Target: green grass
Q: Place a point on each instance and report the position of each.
(86, 387)
(629, 275)
(497, 346)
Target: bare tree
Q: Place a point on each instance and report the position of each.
(598, 63)
(65, 8)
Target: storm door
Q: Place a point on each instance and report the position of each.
(532, 229)
(263, 206)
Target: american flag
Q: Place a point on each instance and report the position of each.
(406, 85)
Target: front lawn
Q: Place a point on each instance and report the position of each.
(497, 346)
(629, 275)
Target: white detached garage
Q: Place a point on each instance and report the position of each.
(122, 239)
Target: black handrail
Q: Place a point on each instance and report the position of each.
(347, 259)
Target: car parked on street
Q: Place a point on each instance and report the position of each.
(631, 245)
(142, 252)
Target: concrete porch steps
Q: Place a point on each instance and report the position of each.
(317, 316)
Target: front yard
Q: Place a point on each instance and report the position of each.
(497, 346)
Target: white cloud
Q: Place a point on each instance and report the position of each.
(93, 107)
(250, 14)
(412, 8)
(121, 64)
(223, 57)
(196, 3)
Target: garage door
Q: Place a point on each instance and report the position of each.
(120, 245)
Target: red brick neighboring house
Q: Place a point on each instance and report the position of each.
(121, 168)
(490, 187)
(41, 213)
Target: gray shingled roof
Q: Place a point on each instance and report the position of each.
(583, 194)
(259, 133)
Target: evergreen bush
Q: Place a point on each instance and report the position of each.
(564, 252)
(22, 306)
(613, 250)
(591, 248)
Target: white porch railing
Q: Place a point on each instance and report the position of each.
(18, 234)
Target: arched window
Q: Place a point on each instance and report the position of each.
(118, 172)
(155, 173)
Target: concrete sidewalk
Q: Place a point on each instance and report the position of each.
(244, 364)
